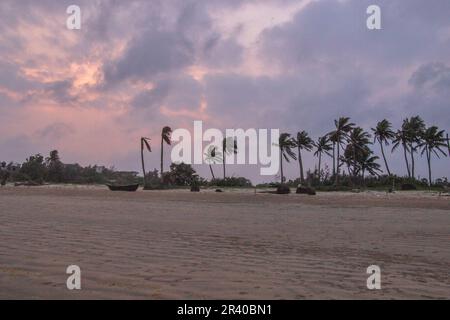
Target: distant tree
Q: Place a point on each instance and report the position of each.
(55, 168)
(34, 168)
(165, 137)
(212, 156)
(433, 140)
(229, 146)
(303, 142)
(322, 146)
(401, 138)
(383, 134)
(343, 127)
(414, 129)
(181, 174)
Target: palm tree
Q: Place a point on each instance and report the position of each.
(303, 141)
(448, 145)
(383, 133)
(343, 127)
(357, 149)
(333, 138)
(229, 146)
(414, 128)
(401, 138)
(165, 137)
(144, 143)
(212, 156)
(368, 163)
(323, 146)
(285, 143)
(432, 142)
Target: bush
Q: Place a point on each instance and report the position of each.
(283, 189)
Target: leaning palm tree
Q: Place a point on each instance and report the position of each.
(433, 141)
(343, 127)
(144, 144)
(303, 141)
(229, 146)
(286, 144)
(323, 146)
(165, 137)
(383, 133)
(212, 156)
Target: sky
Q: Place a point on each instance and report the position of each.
(136, 66)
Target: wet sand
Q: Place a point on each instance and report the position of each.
(231, 245)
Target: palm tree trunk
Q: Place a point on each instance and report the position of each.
(337, 165)
(334, 163)
(300, 163)
(429, 166)
(143, 165)
(406, 160)
(320, 160)
(412, 161)
(384, 158)
(162, 156)
(281, 166)
(223, 163)
(212, 172)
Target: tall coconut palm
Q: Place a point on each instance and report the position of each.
(212, 156)
(432, 142)
(229, 146)
(303, 142)
(414, 128)
(401, 138)
(383, 134)
(343, 127)
(165, 137)
(322, 146)
(286, 144)
(145, 143)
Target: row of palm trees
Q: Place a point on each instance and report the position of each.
(229, 146)
(348, 144)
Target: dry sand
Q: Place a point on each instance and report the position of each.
(182, 245)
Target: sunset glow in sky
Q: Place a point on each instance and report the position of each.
(136, 66)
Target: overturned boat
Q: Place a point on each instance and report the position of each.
(129, 187)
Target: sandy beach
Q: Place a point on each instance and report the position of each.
(231, 245)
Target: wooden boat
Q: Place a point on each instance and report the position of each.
(129, 188)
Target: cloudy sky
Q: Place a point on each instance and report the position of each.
(136, 66)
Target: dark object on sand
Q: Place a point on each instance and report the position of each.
(128, 188)
(195, 188)
(219, 190)
(408, 186)
(283, 189)
(306, 190)
(3, 182)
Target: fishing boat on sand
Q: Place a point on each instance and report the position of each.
(129, 188)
